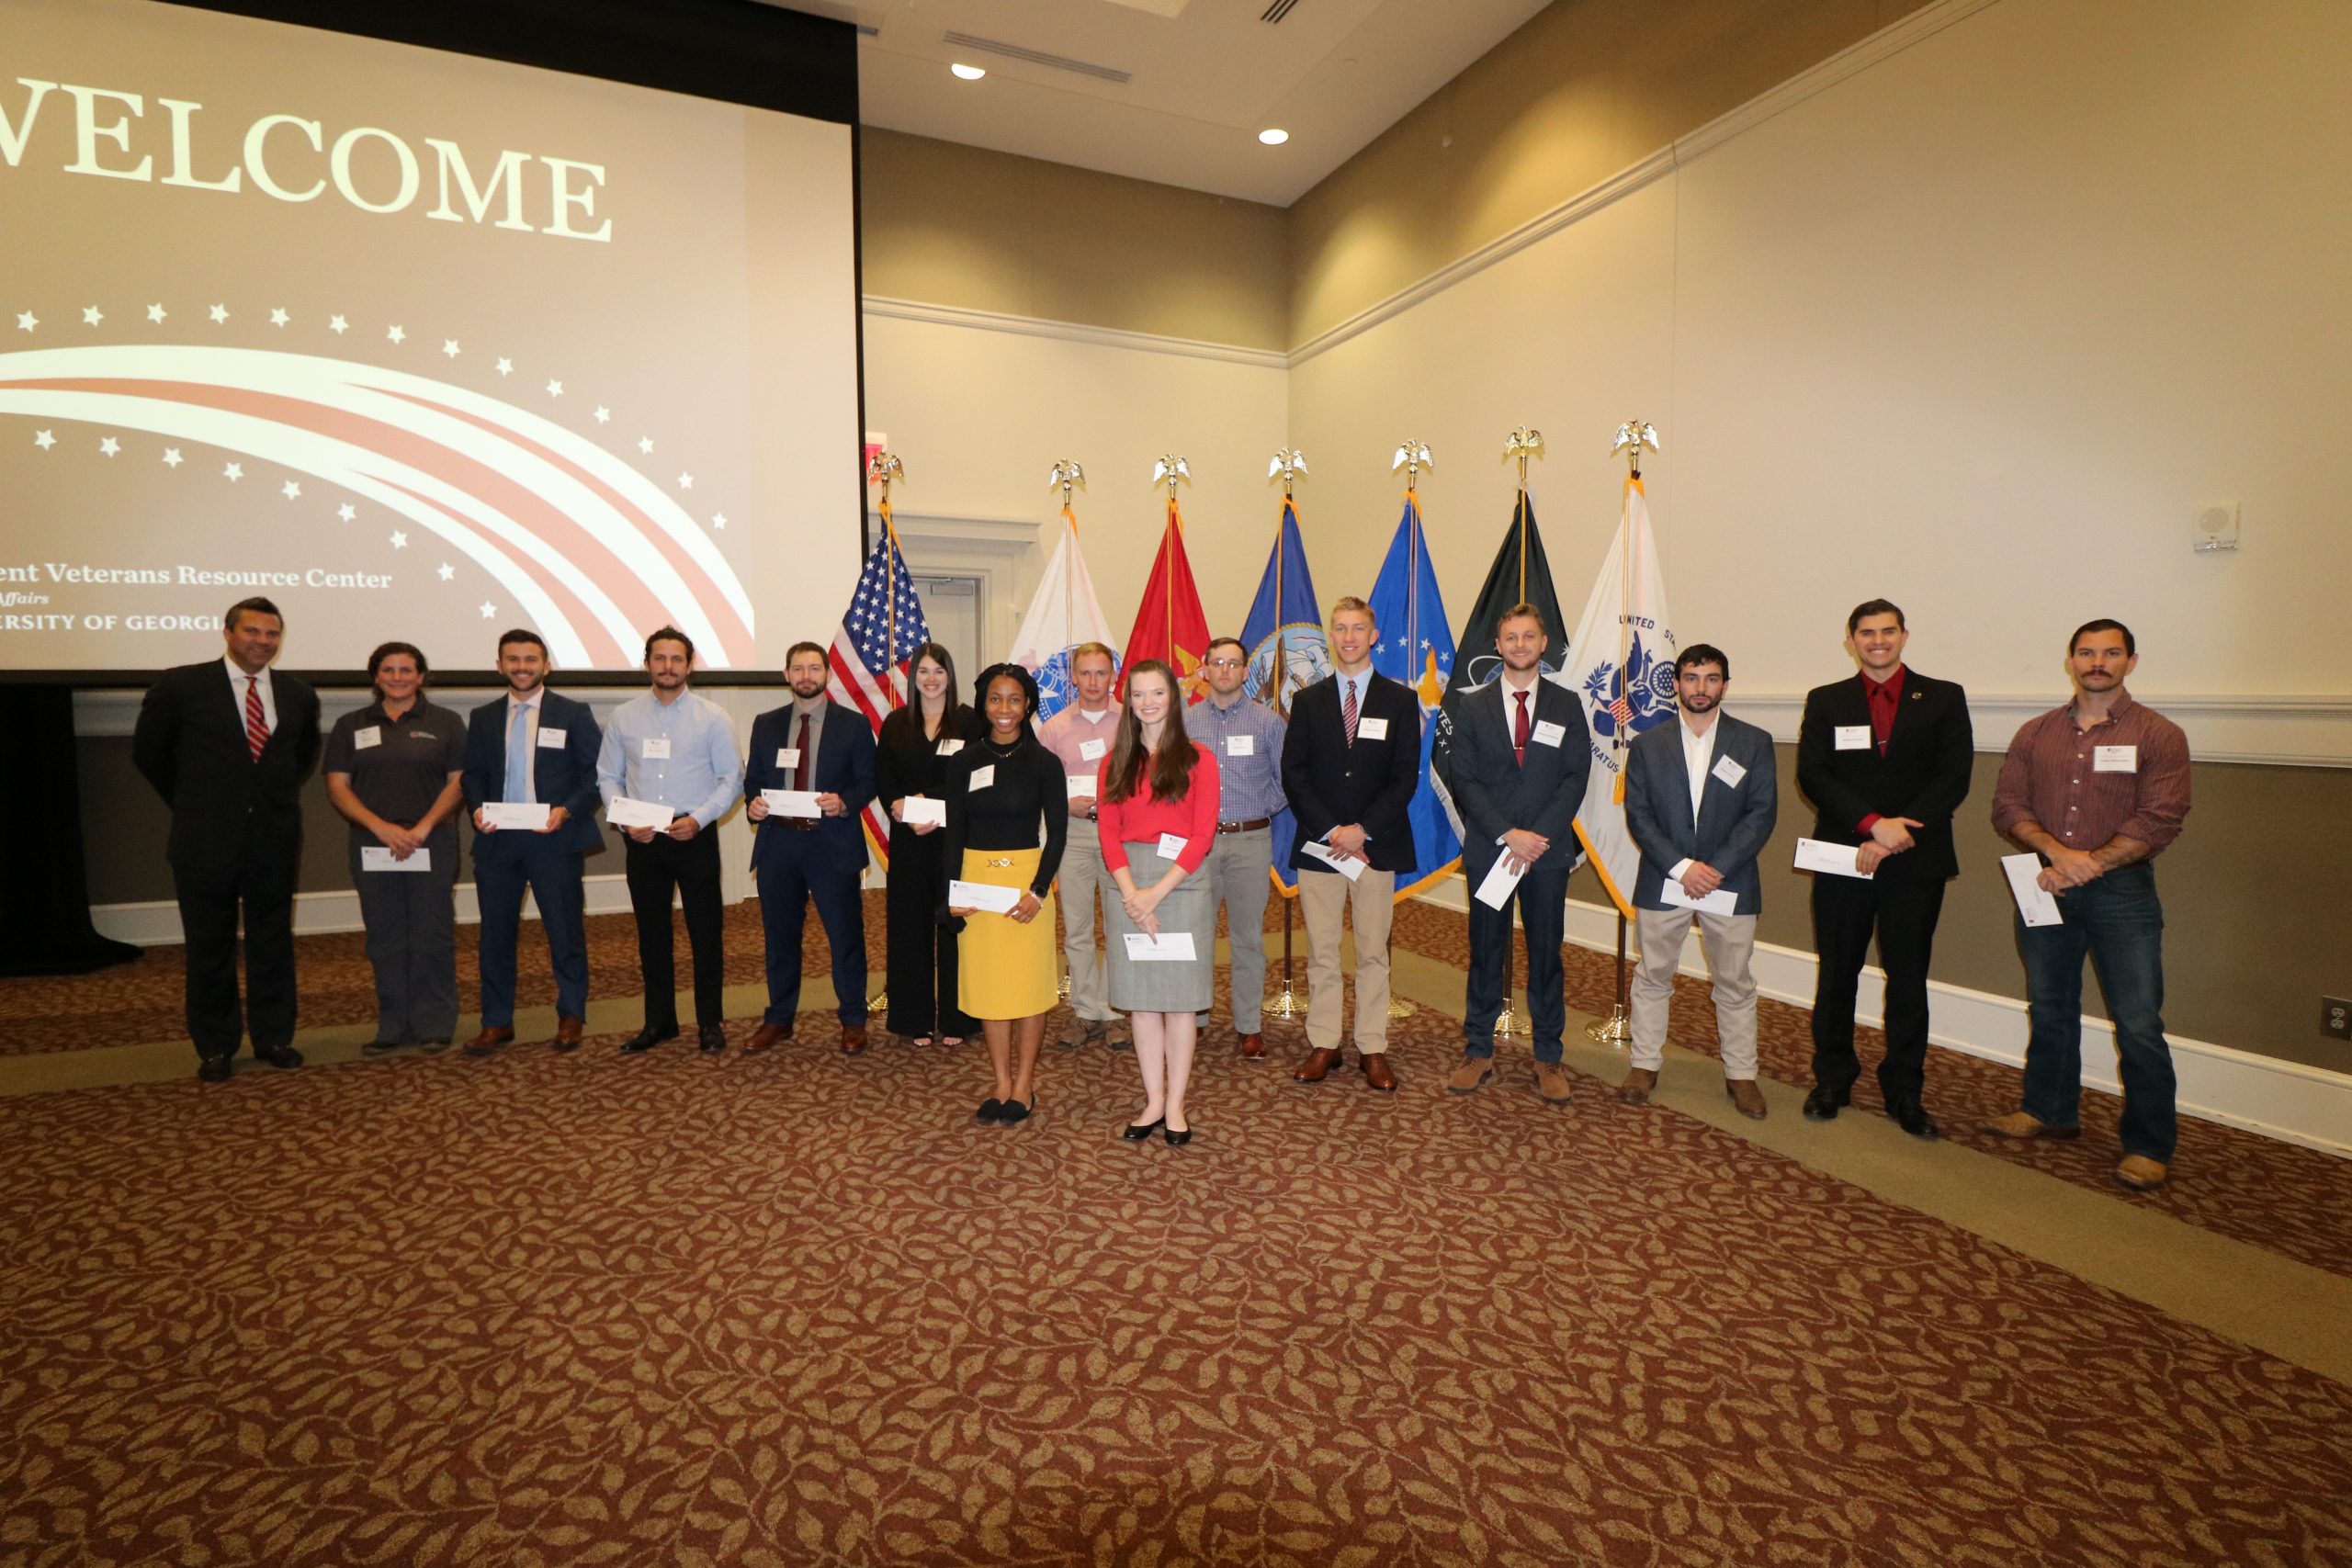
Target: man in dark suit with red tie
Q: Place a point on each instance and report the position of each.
(812, 746)
(228, 744)
(1885, 757)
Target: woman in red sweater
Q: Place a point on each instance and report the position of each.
(1156, 810)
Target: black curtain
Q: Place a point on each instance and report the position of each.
(44, 887)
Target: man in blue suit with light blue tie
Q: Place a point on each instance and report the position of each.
(1701, 800)
(529, 749)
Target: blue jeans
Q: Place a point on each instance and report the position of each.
(2120, 922)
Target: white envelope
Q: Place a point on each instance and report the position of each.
(2036, 904)
(506, 814)
(550, 739)
(1350, 869)
(1836, 859)
(625, 813)
(1496, 890)
(917, 810)
(787, 756)
(1853, 738)
(1722, 901)
(949, 747)
(1372, 730)
(986, 897)
(374, 736)
(1168, 947)
(1093, 750)
(1081, 786)
(1171, 845)
(376, 857)
(792, 802)
(1240, 745)
(1549, 734)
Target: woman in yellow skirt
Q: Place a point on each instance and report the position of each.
(1001, 791)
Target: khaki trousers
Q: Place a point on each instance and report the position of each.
(1081, 874)
(1730, 944)
(1322, 897)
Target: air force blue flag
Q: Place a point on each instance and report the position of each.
(1284, 637)
(1416, 647)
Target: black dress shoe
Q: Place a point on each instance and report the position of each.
(645, 1039)
(1824, 1104)
(714, 1039)
(1136, 1133)
(380, 1047)
(990, 1109)
(278, 1055)
(1177, 1139)
(1913, 1118)
(1012, 1110)
(212, 1069)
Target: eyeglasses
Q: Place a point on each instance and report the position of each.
(1228, 663)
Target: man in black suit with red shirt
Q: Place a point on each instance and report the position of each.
(1885, 757)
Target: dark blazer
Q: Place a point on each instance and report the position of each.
(564, 775)
(1331, 784)
(1734, 820)
(190, 744)
(845, 767)
(1924, 776)
(1493, 791)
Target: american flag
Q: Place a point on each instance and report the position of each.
(880, 631)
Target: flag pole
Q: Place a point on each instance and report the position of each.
(881, 468)
(1289, 463)
(1413, 455)
(1065, 473)
(1617, 1029)
(1523, 443)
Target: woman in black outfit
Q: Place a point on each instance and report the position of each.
(999, 789)
(911, 757)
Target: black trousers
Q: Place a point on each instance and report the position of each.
(919, 959)
(1846, 912)
(691, 871)
(210, 903)
(1542, 899)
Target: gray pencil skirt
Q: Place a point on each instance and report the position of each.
(1156, 986)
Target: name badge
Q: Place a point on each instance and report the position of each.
(2115, 760)
(1853, 738)
(550, 739)
(1240, 745)
(374, 736)
(982, 778)
(656, 751)
(1549, 734)
(1091, 750)
(787, 756)
(1171, 845)
(1731, 772)
(949, 748)
(1372, 730)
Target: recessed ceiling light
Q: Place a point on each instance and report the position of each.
(1272, 137)
(969, 72)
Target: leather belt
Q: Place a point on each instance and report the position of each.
(1250, 826)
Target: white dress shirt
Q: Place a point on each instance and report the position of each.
(1698, 758)
(268, 697)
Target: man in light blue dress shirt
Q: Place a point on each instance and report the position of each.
(1247, 737)
(672, 748)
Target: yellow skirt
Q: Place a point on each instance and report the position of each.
(1005, 969)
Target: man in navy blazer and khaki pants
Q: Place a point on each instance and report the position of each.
(1517, 754)
(1701, 800)
(532, 747)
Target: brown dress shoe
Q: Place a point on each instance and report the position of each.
(1317, 1066)
(2023, 1125)
(2141, 1174)
(1377, 1074)
(1253, 1045)
(852, 1039)
(1470, 1076)
(490, 1042)
(1748, 1097)
(1552, 1082)
(568, 1032)
(765, 1035)
(1636, 1089)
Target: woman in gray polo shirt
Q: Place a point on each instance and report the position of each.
(393, 770)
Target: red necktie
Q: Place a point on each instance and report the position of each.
(1518, 731)
(257, 723)
(800, 768)
(1348, 710)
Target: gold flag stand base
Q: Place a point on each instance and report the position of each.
(881, 1002)
(1508, 1027)
(1614, 1029)
(1286, 1005)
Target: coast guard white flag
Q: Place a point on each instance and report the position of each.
(1064, 614)
(1621, 662)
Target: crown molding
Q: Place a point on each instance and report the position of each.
(1072, 332)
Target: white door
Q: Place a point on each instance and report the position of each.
(951, 606)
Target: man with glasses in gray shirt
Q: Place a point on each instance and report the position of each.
(1247, 737)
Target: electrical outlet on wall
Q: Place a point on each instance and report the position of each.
(2335, 1017)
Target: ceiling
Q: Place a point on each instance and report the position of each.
(1203, 78)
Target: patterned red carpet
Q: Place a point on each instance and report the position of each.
(793, 1309)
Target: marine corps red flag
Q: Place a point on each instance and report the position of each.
(1170, 623)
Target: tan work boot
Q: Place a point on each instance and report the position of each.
(1636, 1089)
(2140, 1173)
(2024, 1125)
(1552, 1082)
(1471, 1076)
(1748, 1097)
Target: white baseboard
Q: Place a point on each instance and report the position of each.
(156, 922)
(2280, 1100)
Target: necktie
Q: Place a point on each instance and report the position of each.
(1348, 711)
(256, 724)
(518, 755)
(801, 771)
(1518, 731)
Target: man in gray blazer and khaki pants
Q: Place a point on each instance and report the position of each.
(1700, 801)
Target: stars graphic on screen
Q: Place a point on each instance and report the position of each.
(45, 439)
(289, 489)
(156, 313)
(110, 446)
(278, 318)
(220, 313)
(27, 321)
(337, 325)
(172, 458)
(92, 315)
(233, 472)
(449, 347)
(396, 334)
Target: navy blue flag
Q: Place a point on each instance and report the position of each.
(1284, 637)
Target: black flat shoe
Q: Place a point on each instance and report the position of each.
(380, 1047)
(991, 1110)
(1176, 1139)
(644, 1040)
(1823, 1104)
(1013, 1111)
(213, 1069)
(1136, 1133)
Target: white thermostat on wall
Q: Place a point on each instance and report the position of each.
(2214, 528)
